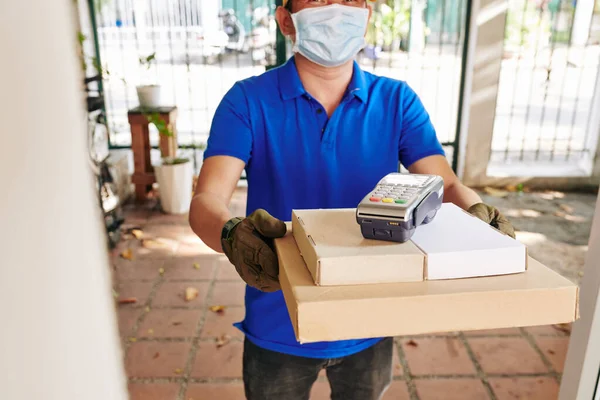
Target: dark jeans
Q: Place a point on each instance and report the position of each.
(362, 376)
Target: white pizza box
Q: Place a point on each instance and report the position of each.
(539, 296)
(454, 245)
(459, 245)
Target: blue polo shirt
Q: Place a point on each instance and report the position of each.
(298, 158)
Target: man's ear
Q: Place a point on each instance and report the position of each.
(285, 22)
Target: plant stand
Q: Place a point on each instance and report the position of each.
(143, 176)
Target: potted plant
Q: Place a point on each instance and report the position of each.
(149, 93)
(174, 174)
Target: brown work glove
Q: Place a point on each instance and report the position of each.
(491, 215)
(248, 244)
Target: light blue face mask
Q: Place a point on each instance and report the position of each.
(330, 35)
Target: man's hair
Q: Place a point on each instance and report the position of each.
(288, 6)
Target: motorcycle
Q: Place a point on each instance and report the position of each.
(262, 36)
(260, 41)
(234, 30)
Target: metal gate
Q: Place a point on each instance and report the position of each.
(203, 47)
(422, 42)
(545, 113)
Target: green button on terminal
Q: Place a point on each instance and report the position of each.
(401, 201)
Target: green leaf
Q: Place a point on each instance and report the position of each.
(175, 161)
(81, 38)
(147, 61)
(159, 123)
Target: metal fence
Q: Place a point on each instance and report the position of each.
(544, 111)
(201, 50)
(204, 47)
(422, 43)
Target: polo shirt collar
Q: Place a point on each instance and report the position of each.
(358, 84)
(290, 85)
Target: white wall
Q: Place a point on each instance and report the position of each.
(58, 335)
(583, 358)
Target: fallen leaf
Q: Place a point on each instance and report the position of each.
(580, 273)
(551, 351)
(218, 309)
(150, 331)
(128, 300)
(412, 343)
(516, 188)
(156, 355)
(567, 208)
(132, 339)
(147, 309)
(115, 293)
(161, 271)
(191, 293)
(178, 371)
(153, 244)
(495, 192)
(222, 340)
(127, 254)
(177, 323)
(196, 265)
(565, 328)
(137, 233)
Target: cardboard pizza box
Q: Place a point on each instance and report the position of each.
(538, 296)
(454, 245)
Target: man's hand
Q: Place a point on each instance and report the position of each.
(457, 193)
(249, 247)
(492, 216)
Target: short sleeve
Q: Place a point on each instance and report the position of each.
(231, 132)
(418, 138)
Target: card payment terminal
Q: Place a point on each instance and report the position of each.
(398, 204)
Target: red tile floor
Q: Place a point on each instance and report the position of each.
(178, 349)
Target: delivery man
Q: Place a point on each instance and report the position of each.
(317, 132)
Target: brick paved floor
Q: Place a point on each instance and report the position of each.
(171, 345)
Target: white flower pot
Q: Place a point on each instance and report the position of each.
(175, 184)
(149, 96)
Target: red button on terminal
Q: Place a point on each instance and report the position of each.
(375, 199)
